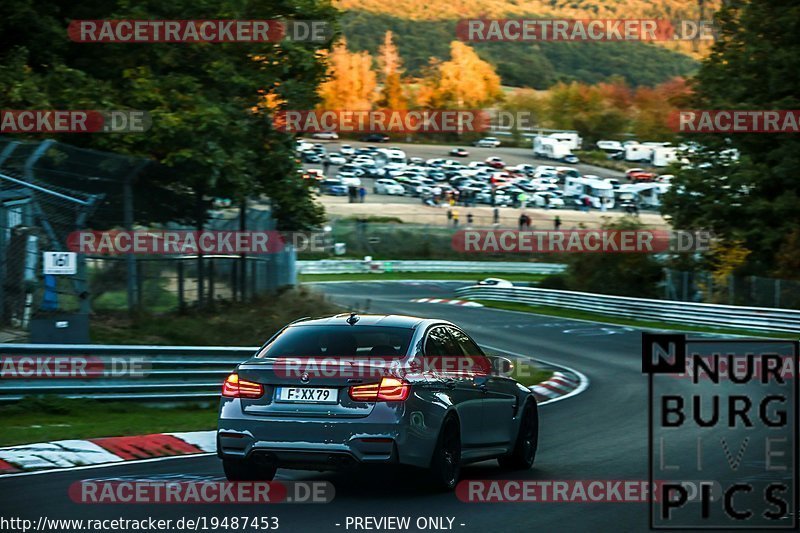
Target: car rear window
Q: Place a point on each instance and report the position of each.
(339, 341)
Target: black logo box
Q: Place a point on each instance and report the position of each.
(671, 358)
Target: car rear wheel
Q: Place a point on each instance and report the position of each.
(446, 461)
(247, 470)
(524, 452)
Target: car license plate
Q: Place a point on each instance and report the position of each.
(307, 395)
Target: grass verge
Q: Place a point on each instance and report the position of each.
(360, 276)
(528, 374)
(643, 324)
(42, 419)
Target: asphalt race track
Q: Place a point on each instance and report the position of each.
(600, 434)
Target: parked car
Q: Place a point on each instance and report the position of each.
(500, 197)
(347, 150)
(349, 179)
(333, 187)
(388, 186)
(495, 162)
(459, 152)
(572, 159)
(376, 138)
(311, 157)
(523, 168)
(327, 135)
(271, 417)
(547, 198)
(487, 142)
(496, 282)
(640, 176)
(371, 170)
(335, 158)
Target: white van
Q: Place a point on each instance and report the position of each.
(550, 148)
(663, 156)
(639, 152)
(646, 194)
(571, 139)
(599, 191)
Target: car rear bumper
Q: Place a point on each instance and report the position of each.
(388, 435)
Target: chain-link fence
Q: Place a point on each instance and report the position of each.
(49, 190)
(169, 283)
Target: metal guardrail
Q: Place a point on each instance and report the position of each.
(337, 266)
(172, 372)
(730, 316)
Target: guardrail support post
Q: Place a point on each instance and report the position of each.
(181, 297)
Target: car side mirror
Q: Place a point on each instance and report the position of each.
(502, 366)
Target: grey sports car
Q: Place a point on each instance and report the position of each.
(353, 390)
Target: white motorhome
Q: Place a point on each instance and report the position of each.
(646, 194)
(550, 148)
(599, 191)
(663, 156)
(572, 140)
(638, 152)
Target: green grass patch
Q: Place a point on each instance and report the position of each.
(528, 374)
(642, 324)
(42, 419)
(469, 276)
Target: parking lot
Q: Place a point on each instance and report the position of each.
(412, 209)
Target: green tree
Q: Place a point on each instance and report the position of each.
(622, 274)
(753, 65)
(208, 124)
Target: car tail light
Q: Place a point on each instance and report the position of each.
(388, 390)
(239, 388)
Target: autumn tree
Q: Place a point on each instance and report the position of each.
(390, 64)
(463, 82)
(351, 83)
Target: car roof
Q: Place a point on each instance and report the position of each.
(395, 321)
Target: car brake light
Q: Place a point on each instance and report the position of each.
(388, 390)
(239, 388)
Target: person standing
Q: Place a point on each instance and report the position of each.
(496, 216)
(557, 223)
(455, 218)
(469, 219)
(325, 166)
(362, 193)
